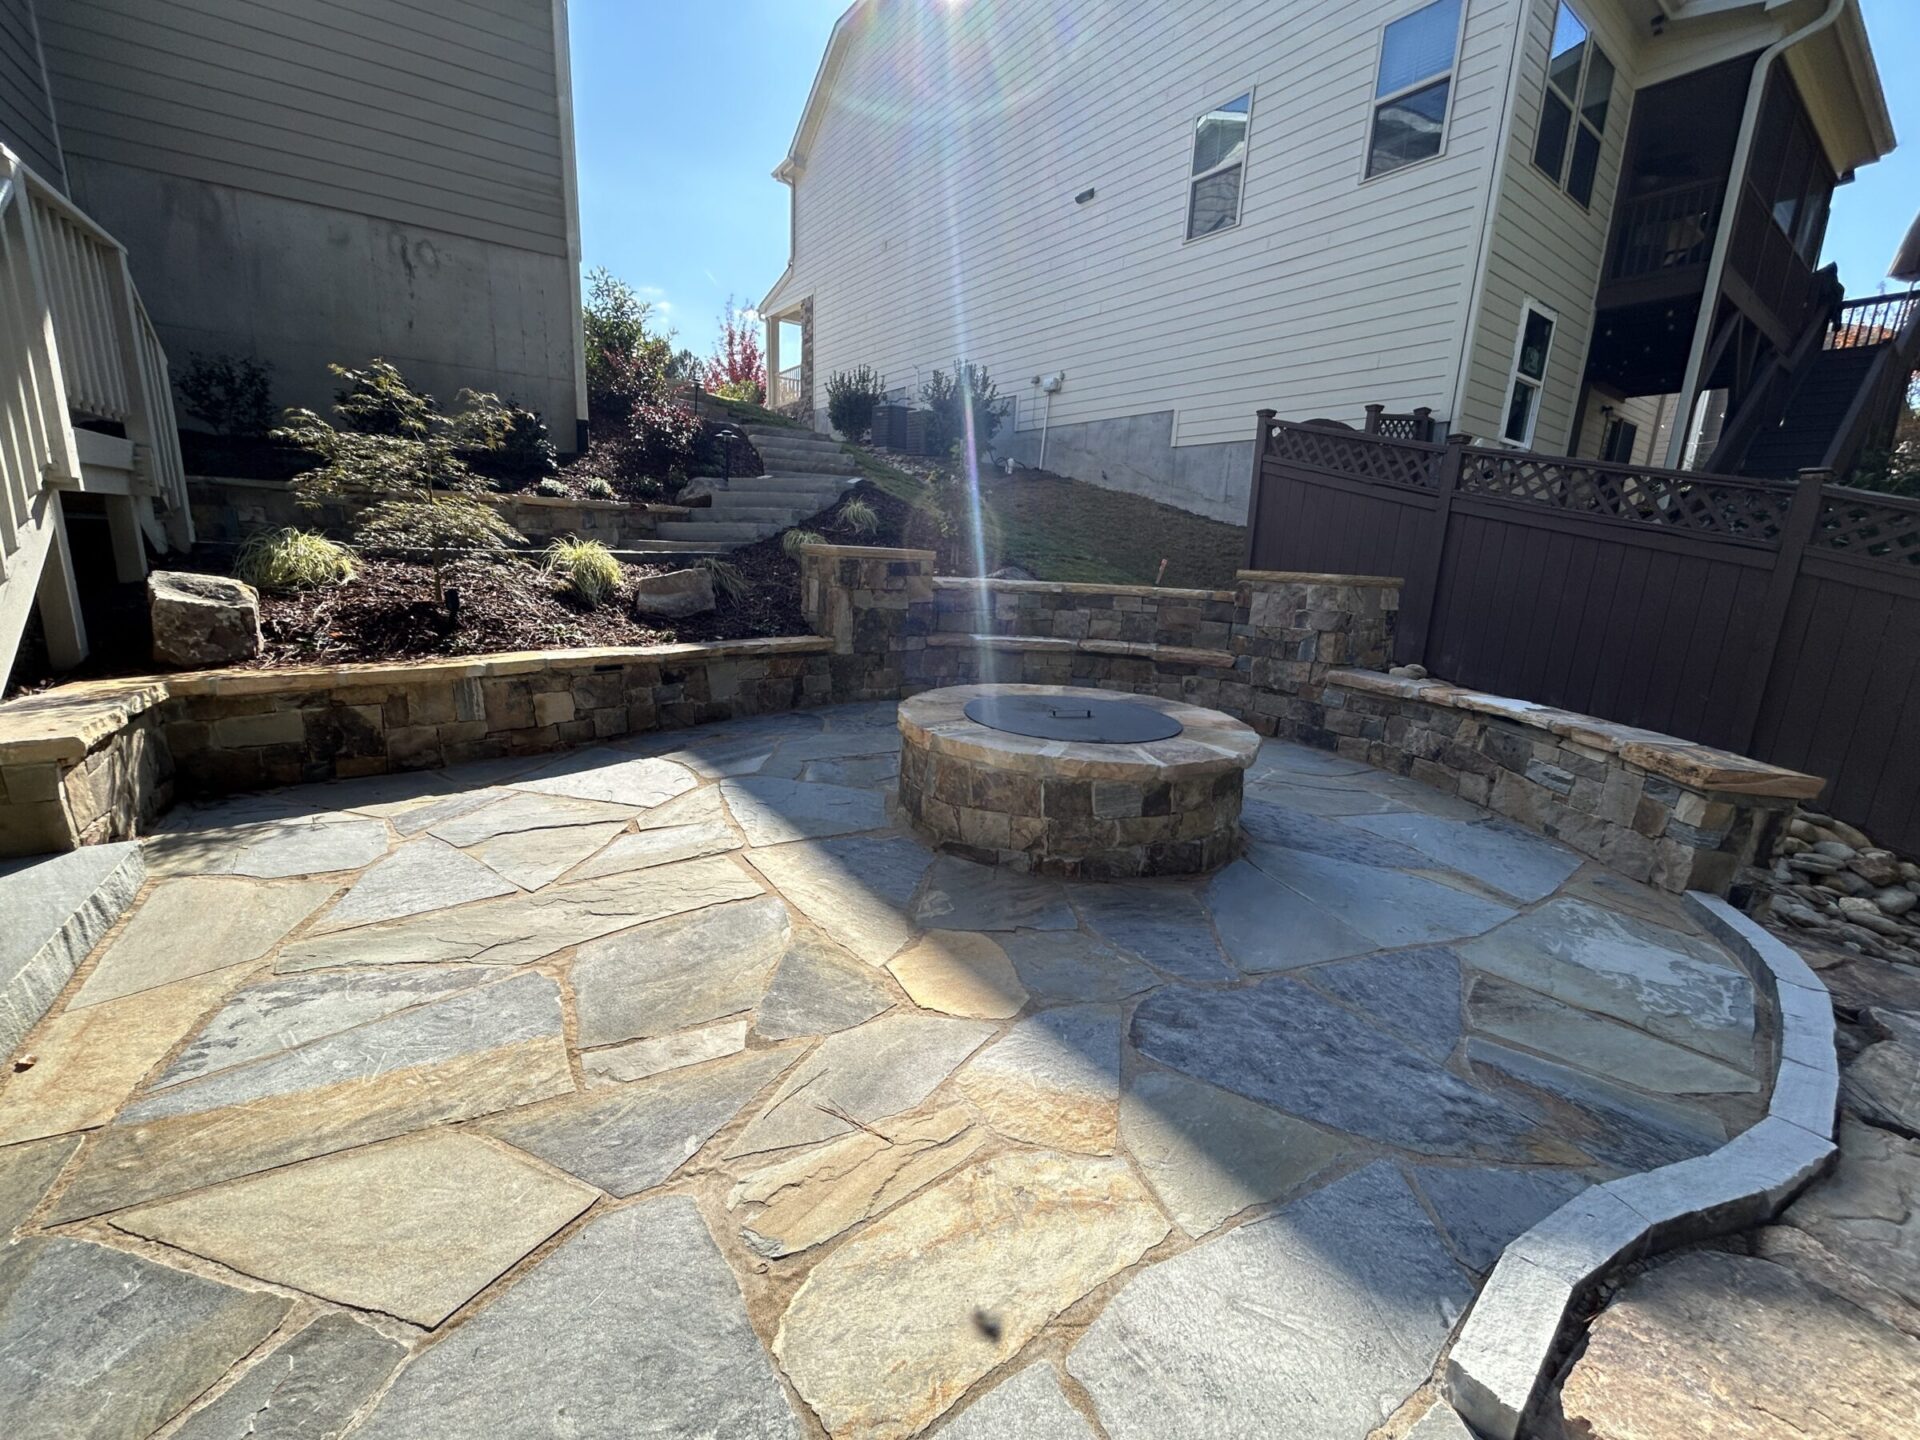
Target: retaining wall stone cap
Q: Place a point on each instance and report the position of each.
(1064, 587)
(865, 552)
(1061, 645)
(1699, 767)
(1309, 577)
(63, 725)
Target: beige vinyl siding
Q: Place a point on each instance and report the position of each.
(935, 215)
(1640, 411)
(26, 105)
(1545, 247)
(437, 113)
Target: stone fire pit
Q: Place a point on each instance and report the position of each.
(1098, 808)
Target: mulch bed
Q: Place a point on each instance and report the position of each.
(388, 613)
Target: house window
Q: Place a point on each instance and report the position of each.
(1529, 374)
(1219, 167)
(1410, 92)
(1573, 111)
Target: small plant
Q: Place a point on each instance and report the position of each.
(727, 578)
(599, 489)
(407, 453)
(794, 541)
(229, 394)
(587, 567)
(291, 559)
(551, 488)
(851, 397)
(858, 517)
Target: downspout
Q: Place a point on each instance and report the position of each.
(1683, 419)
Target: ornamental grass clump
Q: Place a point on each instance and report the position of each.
(858, 518)
(292, 559)
(794, 541)
(587, 567)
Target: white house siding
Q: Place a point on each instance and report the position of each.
(935, 217)
(315, 180)
(26, 106)
(1545, 246)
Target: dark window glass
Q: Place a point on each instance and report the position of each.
(1216, 203)
(1408, 129)
(1621, 438)
(1550, 146)
(1519, 411)
(1533, 348)
(1569, 49)
(1598, 91)
(1586, 160)
(1221, 135)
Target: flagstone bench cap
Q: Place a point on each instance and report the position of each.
(1698, 767)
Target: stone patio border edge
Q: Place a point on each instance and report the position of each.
(1513, 1336)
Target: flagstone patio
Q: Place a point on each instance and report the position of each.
(667, 1089)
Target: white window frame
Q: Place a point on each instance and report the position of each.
(1451, 74)
(1246, 154)
(1578, 105)
(1528, 306)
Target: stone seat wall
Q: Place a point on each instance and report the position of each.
(1658, 809)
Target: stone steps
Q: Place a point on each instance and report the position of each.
(723, 534)
(56, 911)
(758, 506)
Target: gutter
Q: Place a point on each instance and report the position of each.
(1723, 236)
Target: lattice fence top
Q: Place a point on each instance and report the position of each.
(1367, 457)
(1869, 527)
(1710, 505)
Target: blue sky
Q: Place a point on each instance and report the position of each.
(681, 110)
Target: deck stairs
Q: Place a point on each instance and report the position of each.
(86, 408)
(805, 473)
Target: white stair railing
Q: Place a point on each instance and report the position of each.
(76, 345)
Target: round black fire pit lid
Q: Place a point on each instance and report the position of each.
(1061, 717)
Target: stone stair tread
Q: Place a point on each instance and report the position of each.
(57, 909)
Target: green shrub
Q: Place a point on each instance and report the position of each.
(952, 398)
(851, 396)
(551, 488)
(794, 540)
(292, 559)
(587, 566)
(858, 517)
(446, 523)
(229, 394)
(378, 401)
(727, 578)
(506, 438)
(599, 489)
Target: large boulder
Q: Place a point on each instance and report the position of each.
(201, 620)
(673, 596)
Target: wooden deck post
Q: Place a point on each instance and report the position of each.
(1262, 437)
(1803, 518)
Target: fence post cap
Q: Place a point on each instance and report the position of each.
(1814, 475)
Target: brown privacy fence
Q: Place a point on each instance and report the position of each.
(1777, 619)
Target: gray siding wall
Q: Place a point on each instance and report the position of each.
(935, 217)
(26, 106)
(315, 180)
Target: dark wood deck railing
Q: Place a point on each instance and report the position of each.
(1775, 618)
(1666, 229)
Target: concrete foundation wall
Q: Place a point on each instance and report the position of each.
(299, 285)
(1136, 454)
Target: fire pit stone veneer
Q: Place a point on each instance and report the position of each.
(1079, 808)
